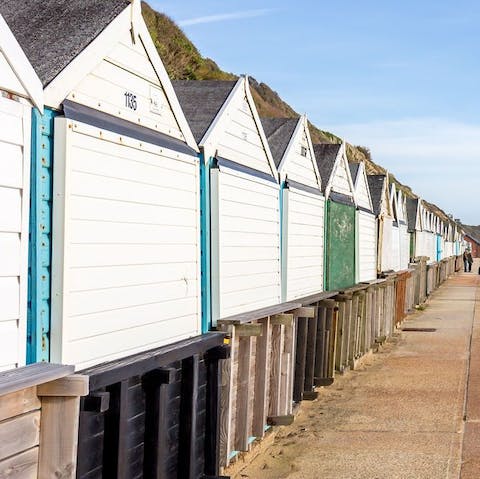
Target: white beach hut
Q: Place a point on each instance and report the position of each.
(126, 201)
(366, 227)
(302, 206)
(20, 91)
(242, 189)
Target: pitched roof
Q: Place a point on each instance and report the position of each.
(412, 208)
(375, 183)
(279, 131)
(354, 167)
(201, 100)
(53, 32)
(326, 155)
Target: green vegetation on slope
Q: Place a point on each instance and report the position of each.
(183, 61)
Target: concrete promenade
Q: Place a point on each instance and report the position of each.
(412, 411)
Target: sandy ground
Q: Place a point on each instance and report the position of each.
(399, 416)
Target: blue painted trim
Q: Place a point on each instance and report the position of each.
(205, 243)
(39, 251)
(283, 249)
(439, 247)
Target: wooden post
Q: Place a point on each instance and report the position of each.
(262, 369)
(226, 399)
(244, 393)
(321, 348)
(59, 424)
(299, 381)
(276, 369)
(308, 389)
(288, 370)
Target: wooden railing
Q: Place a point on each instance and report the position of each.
(39, 407)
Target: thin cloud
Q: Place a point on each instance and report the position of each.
(221, 17)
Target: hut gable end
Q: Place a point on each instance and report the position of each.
(292, 150)
(362, 191)
(126, 84)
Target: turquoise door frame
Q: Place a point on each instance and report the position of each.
(39, 251)
(205, 242)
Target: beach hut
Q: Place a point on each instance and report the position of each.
(125, 237)
(20, 92)
(402, 218)
(382, 207)
(241, 197)
(366, 226)
(395, 254)
(301, 204)
(338, 188)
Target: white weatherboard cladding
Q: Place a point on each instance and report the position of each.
(367, 246)
(304, 238)
(125, 84)
(386, 260)
(395, 265)
(298, 167)
(340, 181)
(245, 243)
(125, 246)
(241, 141)
(14, 214)
(404, 246)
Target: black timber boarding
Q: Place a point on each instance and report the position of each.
(154, 414)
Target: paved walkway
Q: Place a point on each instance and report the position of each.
(401, 416)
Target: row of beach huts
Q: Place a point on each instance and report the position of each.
(175, 271)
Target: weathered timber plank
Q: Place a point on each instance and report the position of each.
(59, 437)
(244, 391)
(31, 375)
(284, 318)
(18, 402)
(244, 330)
(74, 385)
(276, 370)
(19, 434)
(301, 351)
(311, 353)
(226, 397)
(289, 348)
(260, 313)
(262, 370)
(20, 466)
(304, 312)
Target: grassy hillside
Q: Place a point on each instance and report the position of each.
(183, 61)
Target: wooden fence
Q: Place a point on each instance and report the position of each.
(39, 407)
(154, 414)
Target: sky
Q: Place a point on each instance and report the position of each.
(401, 78)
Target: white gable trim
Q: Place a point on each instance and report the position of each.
(341, 157)
(302, 126)
(211, 137)
(20, 65)
(129, 20)
(363, 174)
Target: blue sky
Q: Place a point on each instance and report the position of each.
(399, 77)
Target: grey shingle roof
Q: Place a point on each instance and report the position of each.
(326, 154)
(279, 131)
(376, 184)
(412, 208)
(354, 167)
(53, 32)
(201, 100)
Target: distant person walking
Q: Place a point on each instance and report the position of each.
(467, 261)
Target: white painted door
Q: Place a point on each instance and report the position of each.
(245, 243)
(126, 253)
(303, 236)
(404, 247)
(14, 217)
(386, 262)
(367, 247)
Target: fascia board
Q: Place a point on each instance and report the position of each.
(20, 64)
